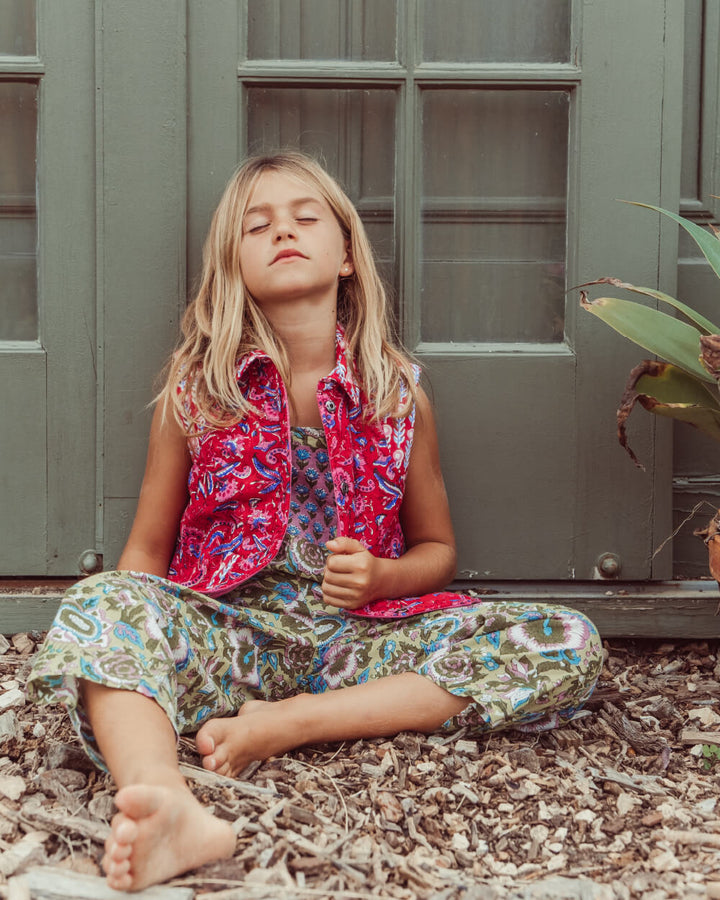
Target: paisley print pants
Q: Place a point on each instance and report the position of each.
(523, 666)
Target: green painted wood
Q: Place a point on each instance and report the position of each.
(620, 139)
(119, 513)
(503, 459)
(23, 461)
(696, 459)
(48, 473)
(67, 276)
(216, 41)
(571, 480)
(142, 239)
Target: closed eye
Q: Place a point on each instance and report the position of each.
(256, 229)
(307, 220)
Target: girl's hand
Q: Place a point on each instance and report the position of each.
(352, 574)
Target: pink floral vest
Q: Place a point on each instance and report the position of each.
(239, 483)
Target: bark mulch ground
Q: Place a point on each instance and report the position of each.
(622, 803)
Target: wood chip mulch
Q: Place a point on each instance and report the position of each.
(622, 803)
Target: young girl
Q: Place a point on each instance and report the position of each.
(282, 582)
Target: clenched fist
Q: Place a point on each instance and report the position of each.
(352, 574)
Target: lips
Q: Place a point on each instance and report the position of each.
(288, 254)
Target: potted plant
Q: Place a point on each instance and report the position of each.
(684, 383)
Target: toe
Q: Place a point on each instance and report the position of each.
(118, 852)
(125, 831)
(209, 763)
(118, 868)
(205, 742)
(119, 882)
(117, 872)
(220, 756)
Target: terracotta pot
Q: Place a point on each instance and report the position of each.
(711, 536)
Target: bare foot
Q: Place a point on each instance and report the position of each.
(158, 833)
(260, 729)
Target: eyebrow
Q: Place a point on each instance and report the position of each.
(266, 207)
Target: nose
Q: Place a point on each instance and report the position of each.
(284, 228)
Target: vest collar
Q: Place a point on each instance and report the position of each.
(342, 375)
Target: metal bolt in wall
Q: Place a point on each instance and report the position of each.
(609, 565)
(90, 562)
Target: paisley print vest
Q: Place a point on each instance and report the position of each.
(239, 481)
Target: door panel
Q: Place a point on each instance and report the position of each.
(509, 476)
(23, 470)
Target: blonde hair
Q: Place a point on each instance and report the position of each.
(223, 322)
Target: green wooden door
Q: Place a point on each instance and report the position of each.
(484, 143)
(47, 286)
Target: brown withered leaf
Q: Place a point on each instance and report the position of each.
(710, 353)
(630, 397)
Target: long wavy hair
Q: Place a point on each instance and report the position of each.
(223, 322)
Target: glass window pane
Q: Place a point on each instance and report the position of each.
(17, 27)
(494, 213)
(322, 29)
(496, 30)
(340, 128)
(18, 225)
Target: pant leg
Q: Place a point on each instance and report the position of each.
(522, 666)
(142, 633)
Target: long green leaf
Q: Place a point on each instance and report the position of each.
(661, 334)
(706, 241)
(704, 324)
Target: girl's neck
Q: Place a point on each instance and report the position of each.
(309, 338)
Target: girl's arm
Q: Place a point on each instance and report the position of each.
(163, 497)
(353, 576)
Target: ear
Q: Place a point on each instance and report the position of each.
(347, 268)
